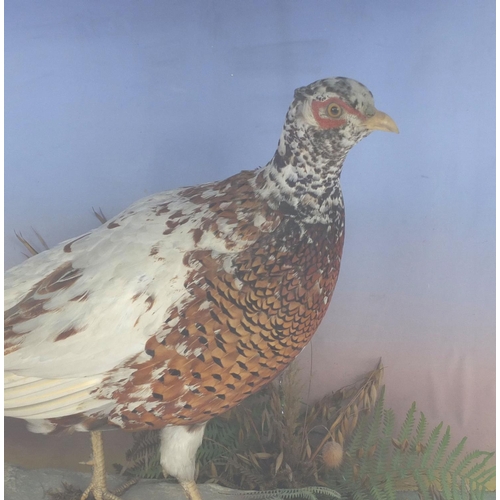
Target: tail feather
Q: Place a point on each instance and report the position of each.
(31, 397)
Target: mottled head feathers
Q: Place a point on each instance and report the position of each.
(325, 120)
(352, 92)
(329, 116)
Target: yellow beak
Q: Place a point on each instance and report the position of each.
(381, 121)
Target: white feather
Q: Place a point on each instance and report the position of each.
(178, 450)
(130, 276)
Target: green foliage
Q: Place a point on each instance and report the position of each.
(308, 493)
(274, 443)
(378, 465)
(220, 441)
(143, 458)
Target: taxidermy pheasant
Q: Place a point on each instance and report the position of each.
(190, 300)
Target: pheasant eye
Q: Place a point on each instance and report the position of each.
(334, 110)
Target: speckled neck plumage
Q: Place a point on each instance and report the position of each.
(302, 182)
(303, 177)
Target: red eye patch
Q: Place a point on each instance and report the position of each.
(324, 121)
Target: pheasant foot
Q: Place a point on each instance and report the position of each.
(97, 485)
(191, 490)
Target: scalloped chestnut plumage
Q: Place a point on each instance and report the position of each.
(190, 300)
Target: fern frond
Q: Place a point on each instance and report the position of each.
(466, 461)
(384, 447)
(479, 467)
(145, 443)
(443, 445)
(403, 437)
(445, 484)
(420, 432)
(359, 494)
(423, 487)
(448, 478)
(431, 442)
(484, 476)
(377, 492)
(373, 429)
(464, 488)
(408, 424)
(358, 435)
(390, 487)
(377, 417)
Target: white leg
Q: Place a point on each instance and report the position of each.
(179, 445)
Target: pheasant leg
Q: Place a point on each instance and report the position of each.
(178, 447)
(191, 490)
(97, 485)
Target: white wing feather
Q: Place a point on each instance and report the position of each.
(46, 378)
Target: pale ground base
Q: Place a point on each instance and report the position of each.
(33, 451)
(23, 484)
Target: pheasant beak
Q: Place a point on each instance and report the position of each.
(381, 121)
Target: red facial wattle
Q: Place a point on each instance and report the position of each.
(327, 122)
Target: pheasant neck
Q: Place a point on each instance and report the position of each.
(303, 184)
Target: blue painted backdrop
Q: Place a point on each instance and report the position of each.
(106, 102)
